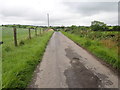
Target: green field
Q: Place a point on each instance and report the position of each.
(22, 34)
(102, 44)
(18, 63)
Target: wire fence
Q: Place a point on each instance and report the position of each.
(16, 35)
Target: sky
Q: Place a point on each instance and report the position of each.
(61, 12)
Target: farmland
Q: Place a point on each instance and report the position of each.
(103, 44)
(7, 35)
(19, 62)
(59, 44)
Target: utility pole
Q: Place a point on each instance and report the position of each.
(48, 19)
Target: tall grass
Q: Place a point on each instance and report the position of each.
(20, 62)
(95, 47)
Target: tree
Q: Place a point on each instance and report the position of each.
(116, 28)
(98, 26)
(73, 27)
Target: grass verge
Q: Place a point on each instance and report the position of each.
(20, 62)
(96, 48)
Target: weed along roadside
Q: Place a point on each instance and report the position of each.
(97, 49)
(20, 62)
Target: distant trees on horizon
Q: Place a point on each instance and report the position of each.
(95, 26)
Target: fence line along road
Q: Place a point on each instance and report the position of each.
(29, 34)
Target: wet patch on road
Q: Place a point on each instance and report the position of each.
(78, 76)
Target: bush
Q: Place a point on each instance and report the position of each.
(98, 26)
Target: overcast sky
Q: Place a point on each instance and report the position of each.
(62, 12)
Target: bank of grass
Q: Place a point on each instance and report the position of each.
(20, 62)
(96, 48)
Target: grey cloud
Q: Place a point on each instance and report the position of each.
(21, 14)
(69, 15)
(91, 8)
(11, 12)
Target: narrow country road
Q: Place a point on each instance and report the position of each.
(66, 65)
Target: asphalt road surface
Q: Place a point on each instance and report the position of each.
(66, 65)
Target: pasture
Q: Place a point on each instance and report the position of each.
(18, 63)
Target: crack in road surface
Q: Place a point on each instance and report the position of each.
(66, 65)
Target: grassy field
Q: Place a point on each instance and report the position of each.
(22, 34)
(107, 51)
(20, 62)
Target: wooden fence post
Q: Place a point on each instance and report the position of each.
(36, 31)
(43, 30)
(29, 34)
(40, 31)
(15, 36)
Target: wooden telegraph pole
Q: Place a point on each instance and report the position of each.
(48, 20)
